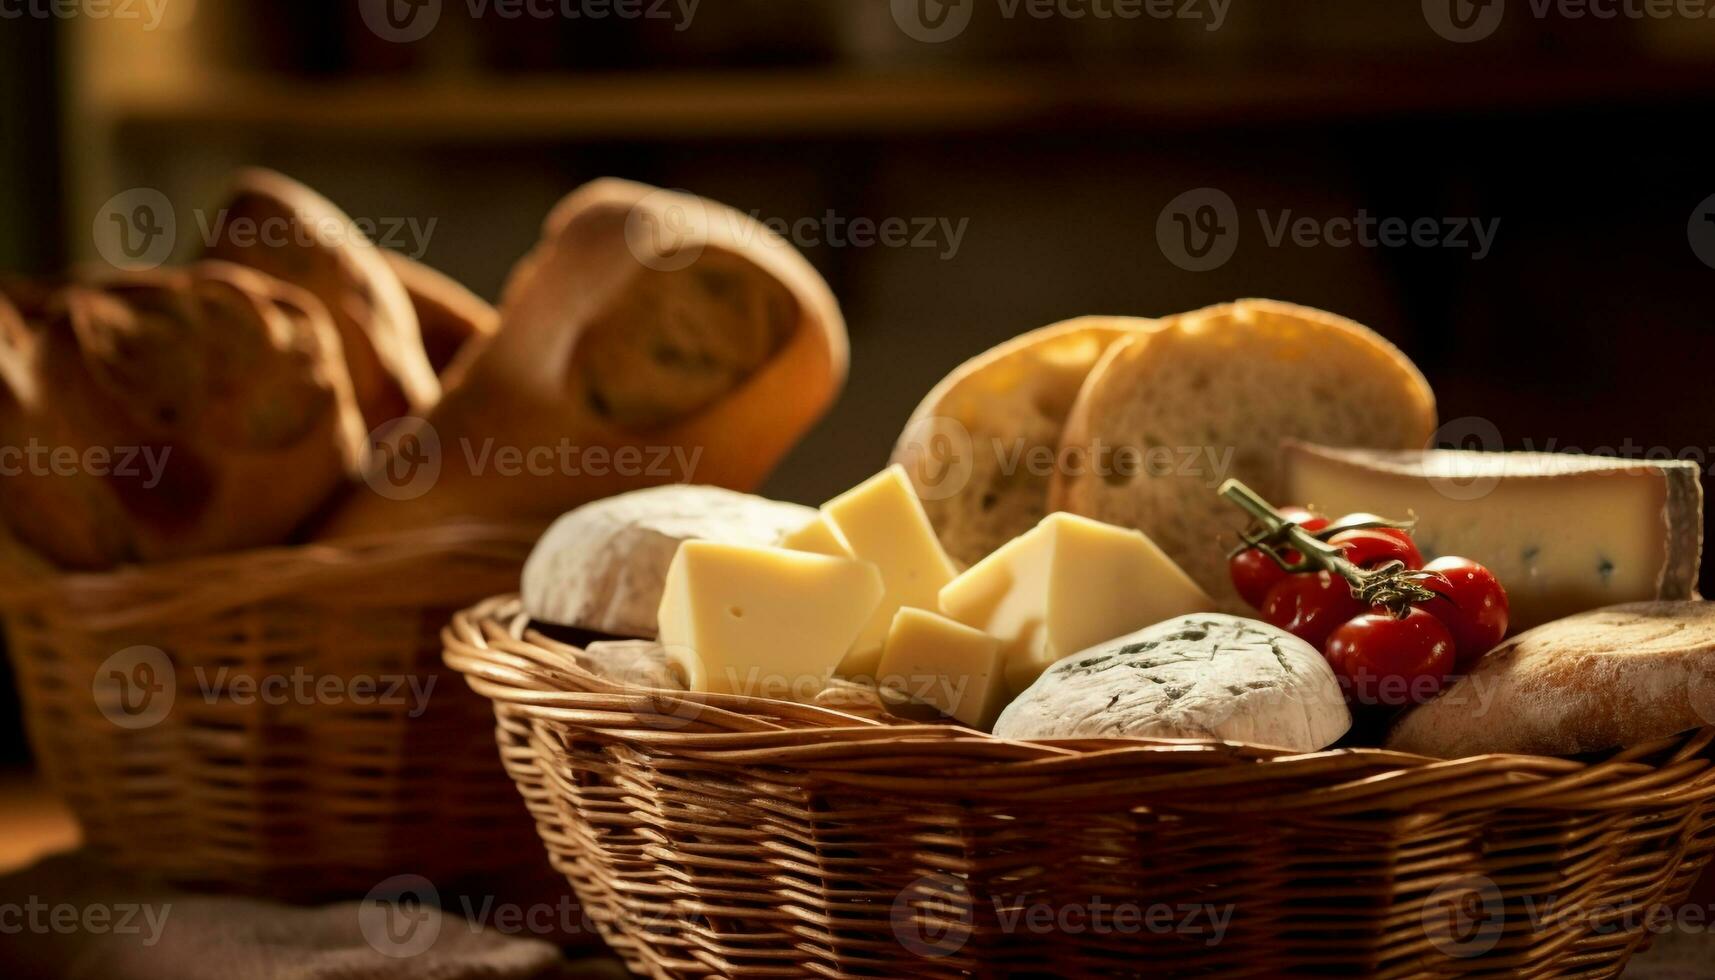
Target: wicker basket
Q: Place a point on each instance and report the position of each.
(715, 835)
(275, 721)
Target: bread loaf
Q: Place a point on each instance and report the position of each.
(172, 413)
(1598, 680)
(602, 567)
(1169, 414)
(276, 225)
(452, 319)
(703, 364)
(1200, 676)
(974, 447)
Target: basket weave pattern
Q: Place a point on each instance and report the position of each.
(730, 836)
(322, 789)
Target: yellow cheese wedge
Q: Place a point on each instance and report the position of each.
(817, 537)
(764, 622)
(947, 664)
(882, 521)
(1066, 585)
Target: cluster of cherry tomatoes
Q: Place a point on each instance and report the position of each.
(1382, 657)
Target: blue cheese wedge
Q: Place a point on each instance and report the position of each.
(1563, 532)
(1206, 675)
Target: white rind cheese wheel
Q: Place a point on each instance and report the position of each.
(1206, 675)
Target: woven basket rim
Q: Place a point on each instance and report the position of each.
(168, 591)
(537, 676)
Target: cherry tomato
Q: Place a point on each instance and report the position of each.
(1310, 605)
(1386, 660)
(1369, 547)
(1254, 573)
(1472, 604)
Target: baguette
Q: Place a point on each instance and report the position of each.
(703, 366)
(1168, 415)
(278, 226)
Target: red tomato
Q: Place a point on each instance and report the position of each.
(1254, 573)
(1392, 661)
(1310, 605)
(1369, 547)
(1472, 605)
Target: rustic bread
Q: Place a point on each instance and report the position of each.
(703, 366)
(190, 411)
(1171, 413)
(277, 225)
(603, 566)
(1200, 676)
(974, 446)
(1598, 680)
(451, 318)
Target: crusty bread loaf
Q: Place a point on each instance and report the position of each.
(186, 412)
(1171, 413)
(974, 447)
(704, 365)
(602, 566)
(277, 225)
(451, 318)
(1598, 680)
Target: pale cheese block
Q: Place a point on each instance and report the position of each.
(882, 521)
(1065, 585)
(945, 663)
(602, 566)
(1203, 676)
(817, 536)
(1563, 532)
(763, 622)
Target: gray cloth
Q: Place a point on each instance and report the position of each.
(69, 917)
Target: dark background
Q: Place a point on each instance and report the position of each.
(1059, 140)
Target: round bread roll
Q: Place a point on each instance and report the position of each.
(973, 446)
(603, 566)
(1206, 675)
(187, 411)
(272, 223)
(1169, 414)
(453, 320)
(1598, 680)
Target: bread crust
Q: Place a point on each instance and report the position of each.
(519, 388)
(1007, 393)
(1598, 680)
(453, 320)
(1160, 474)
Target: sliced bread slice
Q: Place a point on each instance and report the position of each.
(1168, 415)
(980, 449)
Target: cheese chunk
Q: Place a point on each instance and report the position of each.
(1066, 585)
(817, 536)
(881, 520)
(765, 622)
(944, 663)
(1564, 533)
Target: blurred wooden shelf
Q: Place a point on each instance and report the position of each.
(827, 102)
